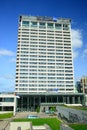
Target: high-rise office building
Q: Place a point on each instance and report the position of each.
(83, 83)
(44, 56)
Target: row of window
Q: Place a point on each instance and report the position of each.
(43, 59)
(44, 85)
(49, 45)
(45, 39)
(67, 69)
(48, 65)
(43, 36)
(44, 25)
(43, 44)
(36, 82)
(30, 33)
(44, 77)
(32, 81)
(6, 99)
(43, 89)
(37, 42)
(24, 54)
(23, 33)
(47, 36)
(48, 52)
(58, 79)
(42, 30)
(45, 48)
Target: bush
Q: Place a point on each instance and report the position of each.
(38, 109)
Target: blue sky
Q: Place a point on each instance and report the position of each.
(10, 10)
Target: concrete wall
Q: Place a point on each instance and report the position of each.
(27, 126)
(22, 125)
(72, 115)
(86, 100)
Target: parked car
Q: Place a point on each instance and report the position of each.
(32, 116)
(49, 112)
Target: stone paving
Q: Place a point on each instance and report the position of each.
(25, 114)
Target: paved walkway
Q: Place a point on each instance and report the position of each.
(5, 123)
(25, 114)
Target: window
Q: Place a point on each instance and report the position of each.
(33, 24)
(25, 23)
(42, 25)
(8, 99)
(0, 99)
(65, 27)
(50, 25)
(58, 26)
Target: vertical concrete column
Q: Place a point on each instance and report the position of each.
(51, 98)
(22, 103)
(34, 102)
(45, 98)
(57, 98)
(28, 103)
(68, 101)
(39, 99)
(64, 99)
(2, 108)
(83, 88)
(73, 100)
(79, 101)
(15, 101)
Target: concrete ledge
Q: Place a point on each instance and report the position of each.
(44, 127)
(21, 126)
(27, 126)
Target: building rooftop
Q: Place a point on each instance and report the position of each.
(45, 18)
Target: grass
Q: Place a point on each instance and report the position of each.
(54, 123)
(79, 126)
(76, 107)
(6, 115)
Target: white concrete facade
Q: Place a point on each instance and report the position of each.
(44, 56)
(85, 99)
(20, 125)
(8, 102)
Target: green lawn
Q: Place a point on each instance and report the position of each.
(79, 126)
(76, 107)
(6, 115)
(54, 123)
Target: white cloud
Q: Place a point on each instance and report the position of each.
(85, 52)
(4, 52)
(9, 76)
(75, 54)
(76, 36)
(13, 60)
